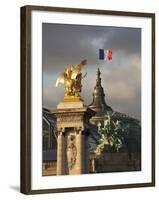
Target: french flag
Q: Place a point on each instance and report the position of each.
(105, 54)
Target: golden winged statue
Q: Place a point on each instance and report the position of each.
(72, 77)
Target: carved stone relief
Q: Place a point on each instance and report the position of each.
(71, 152)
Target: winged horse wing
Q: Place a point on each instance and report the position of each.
(60, 79)
(77, 69)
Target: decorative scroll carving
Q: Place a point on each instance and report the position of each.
(79, 130)
(59, 131)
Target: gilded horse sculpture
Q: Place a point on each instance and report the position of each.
(72, 77)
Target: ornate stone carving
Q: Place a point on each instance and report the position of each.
(71, 152)
(72, 126)
(69, 118)
(60, 131)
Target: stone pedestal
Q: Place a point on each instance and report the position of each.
(72, 132)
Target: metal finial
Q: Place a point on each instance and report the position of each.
(98, 73)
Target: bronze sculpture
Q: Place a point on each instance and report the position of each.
(72, 77)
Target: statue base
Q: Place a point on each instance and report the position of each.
(71, 102)
(72, 99)
(69, 105)
(72, 129)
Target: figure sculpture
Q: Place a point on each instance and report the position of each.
(72, 77)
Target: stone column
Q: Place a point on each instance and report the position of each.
(60, 153)
(87, 156)
(79, 144)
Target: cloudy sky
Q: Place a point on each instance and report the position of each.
(121, 77)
